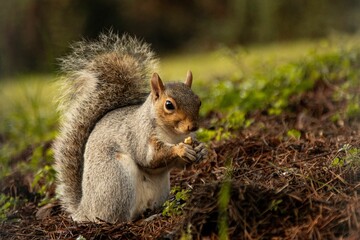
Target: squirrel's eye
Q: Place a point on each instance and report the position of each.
(169, 105)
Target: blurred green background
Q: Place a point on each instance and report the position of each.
(34, 33)
(250, 55)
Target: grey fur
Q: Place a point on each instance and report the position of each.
(106, 166)
(87, 97)
(125, 194)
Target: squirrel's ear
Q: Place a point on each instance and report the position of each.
(157, 86)
(188, 80)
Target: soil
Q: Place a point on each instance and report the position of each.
(260, 184)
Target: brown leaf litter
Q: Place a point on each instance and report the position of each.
(279, 187)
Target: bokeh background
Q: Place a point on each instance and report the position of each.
(280, 90)
(34, 33)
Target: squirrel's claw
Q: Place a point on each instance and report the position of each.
(201, 152)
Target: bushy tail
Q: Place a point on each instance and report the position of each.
(100, 76)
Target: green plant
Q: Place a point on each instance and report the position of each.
(350, 156)
(353, 107)
(28, 125)
(224, 199)
(275, 205)
(44, 180)
(186, 235)
(174, 206)
(80, 237)
(7, 203)
(271, 87)
(28, 120)
(206, 135)
(293, 133)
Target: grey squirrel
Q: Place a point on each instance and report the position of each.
(119, 140)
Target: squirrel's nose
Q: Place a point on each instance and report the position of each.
(193, 127)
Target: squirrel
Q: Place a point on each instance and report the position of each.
(122, 130)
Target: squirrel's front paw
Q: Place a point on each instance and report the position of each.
(186, 152)
(199, 147)
(201, 152)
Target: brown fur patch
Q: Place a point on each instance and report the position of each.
(177, 121)
(163, 155)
